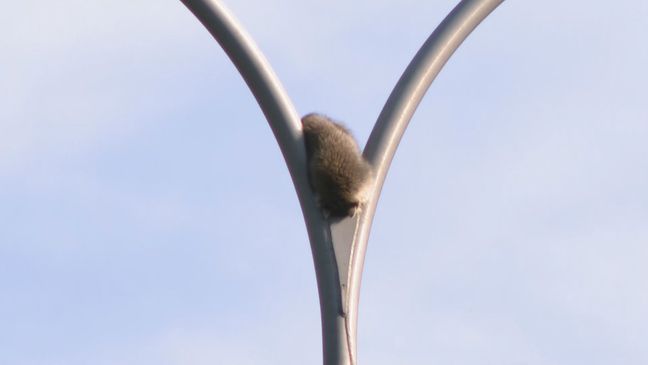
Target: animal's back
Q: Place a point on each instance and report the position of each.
(337, 171)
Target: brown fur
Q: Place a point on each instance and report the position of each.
(338, 173)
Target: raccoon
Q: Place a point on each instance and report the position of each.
(338, 174)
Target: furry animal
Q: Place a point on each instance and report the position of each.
(338, 174)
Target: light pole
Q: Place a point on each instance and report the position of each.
(339, 248)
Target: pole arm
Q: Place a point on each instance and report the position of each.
(260, 78)
(416, 80)
(394, 118)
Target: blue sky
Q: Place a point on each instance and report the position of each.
(147, 216)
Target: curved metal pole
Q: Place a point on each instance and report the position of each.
(394, 118)
(286, 126)
(339, 249)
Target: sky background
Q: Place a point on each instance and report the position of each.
(147, 217)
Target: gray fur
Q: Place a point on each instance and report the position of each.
(337, 172)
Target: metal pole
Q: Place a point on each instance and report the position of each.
(339, 248)
(286, 126)
(395, 116)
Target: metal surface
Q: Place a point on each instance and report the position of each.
(339, 249)
(286, 126)
(393, 121)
